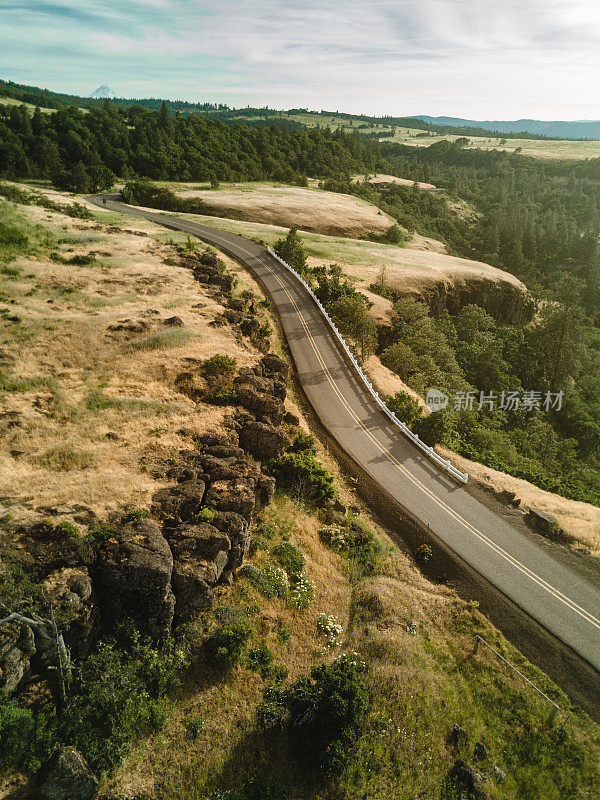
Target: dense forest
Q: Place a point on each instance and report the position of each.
(85, 151)
(522, 399)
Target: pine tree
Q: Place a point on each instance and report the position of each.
(291, 251)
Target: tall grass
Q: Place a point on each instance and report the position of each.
(163, 339)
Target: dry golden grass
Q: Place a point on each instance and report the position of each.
(410, 271)
(307, 209)
(381, 178)
(92, 402)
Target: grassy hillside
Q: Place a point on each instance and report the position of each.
(285, 206)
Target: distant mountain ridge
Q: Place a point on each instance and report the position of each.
(566, 129)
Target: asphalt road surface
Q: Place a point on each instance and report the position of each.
(559, 598)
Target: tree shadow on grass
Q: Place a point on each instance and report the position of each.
(270, 759)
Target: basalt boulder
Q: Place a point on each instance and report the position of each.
(238, 532)
(235, 494)
(264, 441)
(201, 553)
(132, 579)
(266, 407)
(180, 503)
(66, 776)
(17, 647)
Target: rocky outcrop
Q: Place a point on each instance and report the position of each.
(17, 647)
(544, 524)
(238, 532)
(69, 590)
(66, 776)
(506, 301)
(133, 579)
(263, 440)
(181, 503)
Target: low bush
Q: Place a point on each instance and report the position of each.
(289, 557)
(301, 474)
(206, 515)
(261, 537)
(271, 581)
(326, 710)
(304, 443)
(302, 592)
(261, 659)
(330, 629)
(77, 261)
(219, 364)
(228, 644)
(358, 544)
(221, 396)
(195, 728)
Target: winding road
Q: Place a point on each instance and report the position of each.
(548, 590)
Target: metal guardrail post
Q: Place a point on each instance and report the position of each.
(444, 463)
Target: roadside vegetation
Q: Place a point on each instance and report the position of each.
(545, 433)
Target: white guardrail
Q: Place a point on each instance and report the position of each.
(414, 438)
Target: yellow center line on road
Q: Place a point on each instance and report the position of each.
(590, 618)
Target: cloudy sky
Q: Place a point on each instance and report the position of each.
(484, 59)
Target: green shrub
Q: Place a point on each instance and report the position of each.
(302, 592)
(221, 396)
(219, 365)
(423, 553)
(304, 442)
(228, 644)
(302, 474)
(361, 547)
(270, 715)
(271, 581)
(405, 407)
(118, 691)
(206, 515)
(13, 236)
(17, 588)
(260, 659)
(434, 429)
(261, 536)
(136, 514)
(396, 235)
(289, 557)
(195, 728)
(76, 261)
(27, 739)
(326, 709)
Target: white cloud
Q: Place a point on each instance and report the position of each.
(478, 58)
